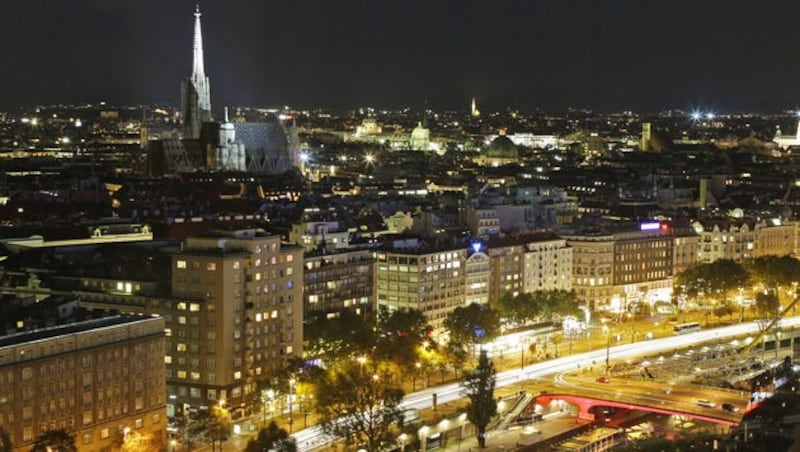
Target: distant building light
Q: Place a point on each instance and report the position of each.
(650, 226)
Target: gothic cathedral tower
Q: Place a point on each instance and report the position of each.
(195, 89)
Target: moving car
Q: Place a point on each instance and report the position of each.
(706, 403)
(729, 407)
(602, 379)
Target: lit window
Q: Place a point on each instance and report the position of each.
(237, 375)
(194, 307)
(275, 314)
(236, 265)
(181, 374)
(195, 375)
(180, 264)
(289, 258)
(181, 306)
(168, 359)
(211, 266)
(181, 347)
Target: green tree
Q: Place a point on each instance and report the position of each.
(399, 334)
(54, 441)
(358, 406)
(337, 338)
(723, 309)
(5, 441)
(557, 303)
(519, 309)
(473, 324)
(479, 388)
(713, 281)
(272, 438)
(219, 427)
(775, 272)
(455, 355)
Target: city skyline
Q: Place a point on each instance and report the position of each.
(544, 55)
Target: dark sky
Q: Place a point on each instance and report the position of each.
(609, 55)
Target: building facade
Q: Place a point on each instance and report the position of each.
(235, 316)
(98, 379)
(338, 281)
(411, 276)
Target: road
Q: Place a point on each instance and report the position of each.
(313, 437)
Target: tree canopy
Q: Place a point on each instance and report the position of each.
(473, 324)
(479, 388)
(713, 280)
(359, 406)
(54, 441)
(272, 438)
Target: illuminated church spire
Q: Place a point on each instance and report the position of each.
(197, 67)
(196, 88)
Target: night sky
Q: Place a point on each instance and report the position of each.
(608, 55)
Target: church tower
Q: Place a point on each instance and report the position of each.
(474, 112)
(647, 134)
(196, 88)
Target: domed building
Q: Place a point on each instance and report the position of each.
(501, 151)
(420, 138)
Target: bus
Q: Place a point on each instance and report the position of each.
(683, 328)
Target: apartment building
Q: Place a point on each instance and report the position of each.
(235, 315)
(617, 270)
(97, 379)
(527, 263)
(412, 275)
(338, 281)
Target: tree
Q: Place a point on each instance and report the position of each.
(340, 337)
(272, 438)
(713, 280)
(479, 388)
(5, 441)
(724, 308)
(473, 324)
(557, 303)
(219, 426)
(358, 406)
(54, 441)
(774, 271)
(398, 335)
(519, 309)
(136, 442)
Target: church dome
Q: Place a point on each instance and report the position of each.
(501, 147)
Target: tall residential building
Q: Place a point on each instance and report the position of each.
(479, 273)
(97, 379)
(344, 279)
(618, 270)
(528, 263)
(235, 316)
(195, 90)
(413, 276)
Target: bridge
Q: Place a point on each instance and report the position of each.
(587, 392)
